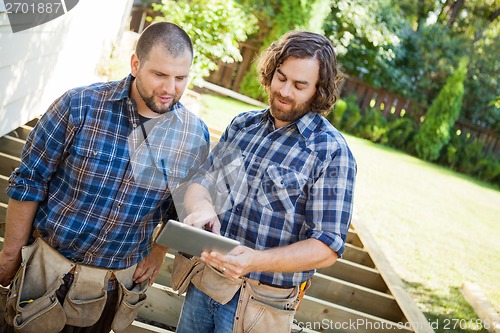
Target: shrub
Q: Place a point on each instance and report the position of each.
(401, 132)
(372, 126)
(441, 116)
(335, 117)
(351, 115)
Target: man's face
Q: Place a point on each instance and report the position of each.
(292, 89)
(161, 79)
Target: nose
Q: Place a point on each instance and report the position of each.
(286, 89)
(169, 86)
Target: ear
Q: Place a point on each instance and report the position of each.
(134, 64)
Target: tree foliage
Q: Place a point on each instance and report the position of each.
(215, 27)
(441, 116)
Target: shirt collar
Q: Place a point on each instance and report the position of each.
(123, 89)
(305, 125)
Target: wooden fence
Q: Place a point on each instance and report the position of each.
(388, 103)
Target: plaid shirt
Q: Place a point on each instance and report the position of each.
(101, 191)
(273, 188)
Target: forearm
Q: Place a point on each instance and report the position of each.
(19, 222)
(196, 197)
(301, 256)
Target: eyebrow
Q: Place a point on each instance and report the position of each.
(299, 81)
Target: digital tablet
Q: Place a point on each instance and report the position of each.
(187, 239)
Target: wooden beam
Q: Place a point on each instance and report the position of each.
(357, 274)
(162, 305)
(357, 255)
(8, 163)
(21, 132)
(484, 310)
(4, 182)
(394, 283)
(355, 297)
(138, 327)
(11, 146)
(324, 316)
(3, 214)
(353, 239)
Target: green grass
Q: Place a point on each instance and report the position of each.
(437, 228)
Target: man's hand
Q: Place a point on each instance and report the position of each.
(8, 268)
(204, 216)
(234, 264)
(149, 267)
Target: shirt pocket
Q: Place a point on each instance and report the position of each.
(280, 188)
(231, 185)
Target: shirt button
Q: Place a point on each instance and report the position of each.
(94, 152)
(134, 125)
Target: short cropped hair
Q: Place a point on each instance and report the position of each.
(304, 45)
(170, 36)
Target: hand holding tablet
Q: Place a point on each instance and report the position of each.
(193, 241)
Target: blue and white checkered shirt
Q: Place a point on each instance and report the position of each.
(101, 189)
(273, 188)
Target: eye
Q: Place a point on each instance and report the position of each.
(180, 78)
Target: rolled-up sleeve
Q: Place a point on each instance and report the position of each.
(41, 154)
(329, 206)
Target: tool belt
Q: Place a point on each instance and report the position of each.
(260, 306)
(33, 307)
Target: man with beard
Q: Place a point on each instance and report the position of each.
(281, 182)
(97, 175)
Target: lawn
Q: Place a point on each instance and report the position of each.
(437, 228)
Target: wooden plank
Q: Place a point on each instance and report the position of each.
(162, 305)
(21, 132)
(3, 214)
(11, 146)
(353, 238)
(138, 327)
(357, 274)
(484, 310)
(4, 181)
(357, 255)
(8, 163)
(324, 316)
(232, 94)
(355, 297)
(394, 283)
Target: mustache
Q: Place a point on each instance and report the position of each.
(285, 99)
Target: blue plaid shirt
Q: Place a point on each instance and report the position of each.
(273, 188)
(101, 189)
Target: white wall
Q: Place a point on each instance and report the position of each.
(39, 64)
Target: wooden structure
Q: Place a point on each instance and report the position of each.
(360, 293)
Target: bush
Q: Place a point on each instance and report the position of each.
(441, 116)
(352, 114)
(372, 126)
(401, 132)
(335, 116)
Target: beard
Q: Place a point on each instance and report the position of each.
(290, 112)
(149, 100)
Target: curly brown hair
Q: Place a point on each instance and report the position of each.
(303, 45)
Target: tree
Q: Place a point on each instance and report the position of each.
(215, 27)
(441, 116)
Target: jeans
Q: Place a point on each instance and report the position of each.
(200, 313)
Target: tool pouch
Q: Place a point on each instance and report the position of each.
(261, 307)
(131, 297)
(32, 304)
(130, 300)
(86, 297)
(183, 271)
(216, 285)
